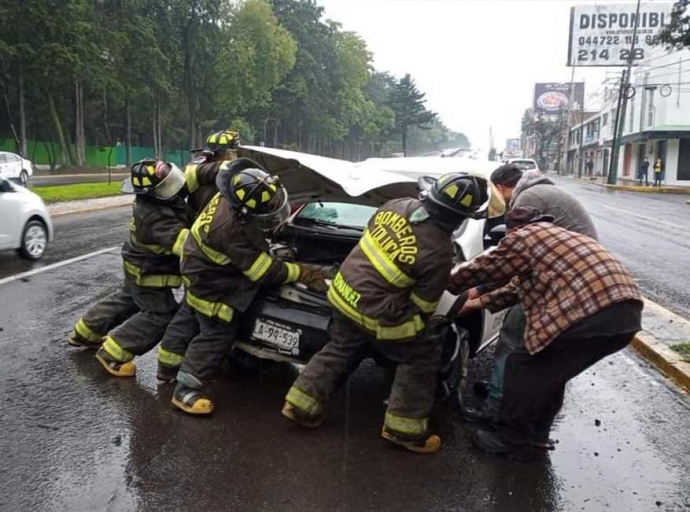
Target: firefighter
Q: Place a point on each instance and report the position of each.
(225, 262)
(200, 176)
(132, 321)
(383, 296)
(200, 173)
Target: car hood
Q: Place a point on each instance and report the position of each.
(309, 177)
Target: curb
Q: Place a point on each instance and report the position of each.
(663, 358)
(639, 190)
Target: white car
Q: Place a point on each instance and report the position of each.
(14, 167)
(526, 164)
(26, 225)
(333, 201)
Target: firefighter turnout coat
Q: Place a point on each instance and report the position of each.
(200, 177)
(395, 276)
(226, 261)
(157, 233)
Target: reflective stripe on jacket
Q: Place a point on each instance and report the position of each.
(200, 177)
(157, 233)
(396, 274)
(226, 261)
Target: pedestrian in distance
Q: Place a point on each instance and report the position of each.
(658, 172)
(580, 304)
(225, 263)
(520, 189)
(131, 321)
(383, 298)
(590, 166)
(643, 173)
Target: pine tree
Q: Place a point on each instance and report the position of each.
(408, 103)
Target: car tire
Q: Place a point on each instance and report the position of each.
(23, 178)
(34, 240)
(454, 366)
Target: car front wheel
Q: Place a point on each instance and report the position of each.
(24, 178)
(34, 240)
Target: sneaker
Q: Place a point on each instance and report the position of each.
(166, 373)
(114, 367)
(293, 413)
(192, 401)
(431, 444)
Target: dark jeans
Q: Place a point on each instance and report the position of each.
(535, 384)
(657, 179)
(644, 176)
(512, 336)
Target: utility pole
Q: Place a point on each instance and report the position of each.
(621, 106)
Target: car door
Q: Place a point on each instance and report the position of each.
(10, 213)
(4, 166)
(13, 166)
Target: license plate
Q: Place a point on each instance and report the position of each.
(278, 335)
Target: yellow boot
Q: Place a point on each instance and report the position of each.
(114, 367)
(431, 444)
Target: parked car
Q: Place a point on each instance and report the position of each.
(333, 200)
(26, 225)
(14, 167)
(526, 164)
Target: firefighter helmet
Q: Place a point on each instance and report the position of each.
(156, 178)
(254, 193)
(452, 199)
(222, 141)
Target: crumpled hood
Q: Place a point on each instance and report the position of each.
(529, 179)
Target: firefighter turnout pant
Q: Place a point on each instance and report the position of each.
(414, 386)
(131, 321)
(179, 334)
(208, 349)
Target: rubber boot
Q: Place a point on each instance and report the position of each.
(431, 444)
(114, 367)
(293, 413)
(189, 395)
(75, 340)
(166, 373)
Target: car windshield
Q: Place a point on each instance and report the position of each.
(337, 214)
(525, 165)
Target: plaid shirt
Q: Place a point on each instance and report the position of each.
(561, 277)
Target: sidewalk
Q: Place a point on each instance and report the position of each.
(89, 205)
(632, 187)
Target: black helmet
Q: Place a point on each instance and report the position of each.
(452, 199)
(222, 141)
(156, 178)
(254, 193)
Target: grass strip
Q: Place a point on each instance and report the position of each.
(60, 193)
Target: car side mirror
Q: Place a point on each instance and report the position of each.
(498, 233)
(5, 186)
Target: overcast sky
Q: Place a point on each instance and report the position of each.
(477, 60)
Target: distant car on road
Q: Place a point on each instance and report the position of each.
(14, 167)
(25, 222)
(526, 164)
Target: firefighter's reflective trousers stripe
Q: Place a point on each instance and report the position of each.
(180, 332)
(414, 387)
(131, 321)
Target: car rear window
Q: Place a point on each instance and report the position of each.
(340, 214)
(525, 165)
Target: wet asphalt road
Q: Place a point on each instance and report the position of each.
(75, 439)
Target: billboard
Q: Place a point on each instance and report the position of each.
(553, 99)
(601, 35)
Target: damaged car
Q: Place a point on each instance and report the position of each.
(333, 201)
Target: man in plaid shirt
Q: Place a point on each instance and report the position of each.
(580, 303)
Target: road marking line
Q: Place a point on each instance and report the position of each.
(59, 264)
(650, 219)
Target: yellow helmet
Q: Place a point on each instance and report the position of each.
(223, 141)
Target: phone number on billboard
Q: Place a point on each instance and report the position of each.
(615, 40)
(604, 55)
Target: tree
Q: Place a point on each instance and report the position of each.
(677, 33)
(408, 104)
(545, 131)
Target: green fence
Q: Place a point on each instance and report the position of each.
(96, 156)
